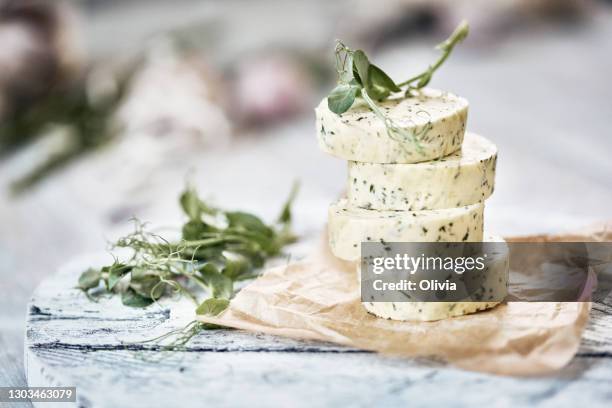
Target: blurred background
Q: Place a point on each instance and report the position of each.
(107, 107)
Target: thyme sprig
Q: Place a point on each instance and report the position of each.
(358, 78)
(218, 248)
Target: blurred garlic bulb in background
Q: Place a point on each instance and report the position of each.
(266, 88)
(174, 95)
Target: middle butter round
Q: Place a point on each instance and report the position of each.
(463, 178)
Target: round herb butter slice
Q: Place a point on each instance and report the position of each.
(462, 178)
(425, 311)
(431, 125)
(349, 226)
(494, 288)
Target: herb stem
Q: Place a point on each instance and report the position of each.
(430, 70)
(187, 292)
(411, 80)
(446, 47)
(198, 282)
(212, 241)
(392, 128)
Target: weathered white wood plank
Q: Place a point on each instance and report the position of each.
(15, 292)
(72, 341)
(11, 373)
(238, 379)
(597, 338)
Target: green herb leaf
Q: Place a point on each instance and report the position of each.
(285, 215)
(221, 286)
(236, 265)
(193, 230)
(361, 66)
(212, 307)
(190, 203)
(253, 252)
(115, 272)
(342, 98)
(248, 222)
(89, 279)
(379, 94)
(132, 299)
(147, 285)
(193, 206)
(379, 79)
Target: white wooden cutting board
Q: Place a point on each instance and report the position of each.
(96, 346)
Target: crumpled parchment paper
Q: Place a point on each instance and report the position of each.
(319, 299)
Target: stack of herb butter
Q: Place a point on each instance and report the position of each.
(414, 175)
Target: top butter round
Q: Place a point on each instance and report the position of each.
(436, 118)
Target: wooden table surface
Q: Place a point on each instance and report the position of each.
(97, 347)
(545, 103)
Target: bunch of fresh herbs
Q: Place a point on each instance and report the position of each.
(88, 122)
(358, 78)
(218, 248)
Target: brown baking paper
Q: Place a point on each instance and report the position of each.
(319, 299)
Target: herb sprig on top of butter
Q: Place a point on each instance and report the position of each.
(358, 78)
